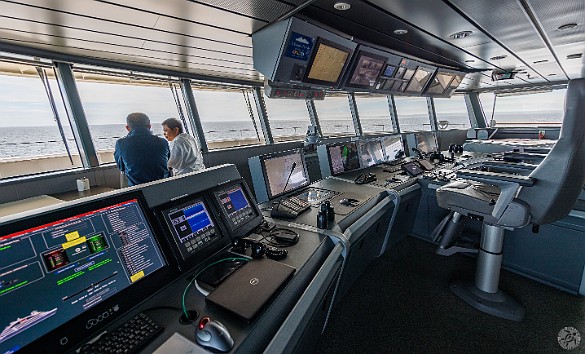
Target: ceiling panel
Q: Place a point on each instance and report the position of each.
(553, 14)
(196, 52)
(196, 12)
(267, 10)
(87, 8)
(194, 29)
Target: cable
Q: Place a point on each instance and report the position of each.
(185, 312)
(198, 287)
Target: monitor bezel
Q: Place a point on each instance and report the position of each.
(265, 157)
(74, 332)
(360, 54)
(327, 148)
(244, 229)
(431, 72)
(199, 257)
(360, 147)
(318, 42)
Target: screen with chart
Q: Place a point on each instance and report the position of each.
(63, 267)
(393, 148)
(327, 63)
(284, 172)
(370, 152)
(343, 157)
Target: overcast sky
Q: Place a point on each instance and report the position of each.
(23, 102)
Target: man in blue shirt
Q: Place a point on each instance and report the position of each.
(141, 155)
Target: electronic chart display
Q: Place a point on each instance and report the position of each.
(235, 205)
(393, 148)
(63, 265)
(370, 152)
(343, 157)
(277, 169)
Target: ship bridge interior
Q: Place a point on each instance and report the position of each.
(373, 159)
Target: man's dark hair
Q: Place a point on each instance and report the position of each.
(137, 120)
(173, 123)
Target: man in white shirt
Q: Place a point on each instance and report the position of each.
(185, 153)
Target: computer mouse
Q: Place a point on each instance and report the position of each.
(213, 334)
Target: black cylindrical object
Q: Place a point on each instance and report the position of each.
(322, 220)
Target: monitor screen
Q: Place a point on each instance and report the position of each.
(419, 80)
(343, 157)
(389, 71)
(366, 70)
(236, 206)
(327, 63)
(456, 81)
(60, 269)
(440, 83)
(371, 152)
(426, 141)
(278, 167)
(393, 148)
(191, 226)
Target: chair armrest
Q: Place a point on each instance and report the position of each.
(509, 167)
(483, 176)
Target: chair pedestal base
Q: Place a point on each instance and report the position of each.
(497, 304)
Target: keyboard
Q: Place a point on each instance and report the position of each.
(128, 338)
(393, 168)
(295, 204)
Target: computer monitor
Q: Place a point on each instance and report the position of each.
(426, 141)
(388, 71)
(66, 274)
(370, 152)
(191, 229)
(327, 63)
(343, 157)
(419, 80)
(284, 172)
(366, 70)
(393, 148)
(238, 210)
(440, 83)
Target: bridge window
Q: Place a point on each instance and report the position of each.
(452, 112)
(108, 98)
(31, 140)
(334, 115)
(524, 109)
(413, 113)
(288, 118)
(228, 117)
(374, 113)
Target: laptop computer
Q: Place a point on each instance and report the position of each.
(247, 290)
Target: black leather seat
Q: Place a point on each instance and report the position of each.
(506, 201)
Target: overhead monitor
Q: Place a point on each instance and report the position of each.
(343, 157)
(426, 141)
(327, 63)
(190, 228)
(366, 70)
(419, 80)
(393, 148)
(456, 81)
(370, 152)
(284, 172)
(440, 83)
(60, 271)
(237, 208)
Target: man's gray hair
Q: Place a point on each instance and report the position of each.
(137, 120)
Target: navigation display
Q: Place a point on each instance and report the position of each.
(389, 71)
(343, 157)
(277, 169)
(426, 141)
(393, 148)
(67, 263)
(371, 152)
(366, 70)
(419, 80)
(191, 226)
(327, 63)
